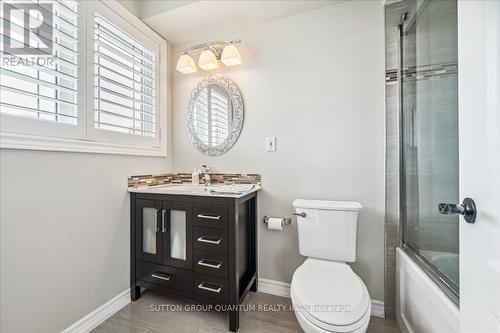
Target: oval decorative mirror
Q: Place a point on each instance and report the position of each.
(215, 115)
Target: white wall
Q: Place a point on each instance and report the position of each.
(146, 8)
(64, 226)
(132, 6)
(316, 81)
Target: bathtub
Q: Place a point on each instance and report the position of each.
(422, 307)
(447, 262)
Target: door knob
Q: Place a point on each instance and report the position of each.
(467, 209)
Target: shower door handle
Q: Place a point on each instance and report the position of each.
(467, 209)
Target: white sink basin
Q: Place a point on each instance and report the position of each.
(188, 189)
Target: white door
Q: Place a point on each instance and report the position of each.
(479, 119)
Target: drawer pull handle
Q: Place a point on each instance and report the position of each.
(209, 217)
(214, 290)
(207, 263)
(166, 278)
(211, 241)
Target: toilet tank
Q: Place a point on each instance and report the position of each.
(328, 229)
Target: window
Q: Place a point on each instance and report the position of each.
(98, 87)
(124, 82)
(46, 92)
(36, 92)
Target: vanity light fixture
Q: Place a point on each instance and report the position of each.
(211, 52)
(230, 56)
(186, 64)
(208, 60)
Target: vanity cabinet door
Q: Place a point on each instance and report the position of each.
(177, 234)
(148, 240)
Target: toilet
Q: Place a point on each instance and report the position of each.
(327, 296)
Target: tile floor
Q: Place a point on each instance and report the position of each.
(146, 316)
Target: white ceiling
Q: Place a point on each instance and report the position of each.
(194, 20)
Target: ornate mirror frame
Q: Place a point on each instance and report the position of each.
(238, 115)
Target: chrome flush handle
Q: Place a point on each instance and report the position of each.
(302, 214)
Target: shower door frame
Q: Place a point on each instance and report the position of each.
(450, 289)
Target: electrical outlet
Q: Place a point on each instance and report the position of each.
(271, 143)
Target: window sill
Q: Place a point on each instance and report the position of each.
(32, 142)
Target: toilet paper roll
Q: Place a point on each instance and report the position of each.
(275, 223)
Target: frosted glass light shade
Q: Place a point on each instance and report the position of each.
(231, 56)
(186, 64)
(208, 60)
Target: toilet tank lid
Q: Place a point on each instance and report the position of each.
(327, 205)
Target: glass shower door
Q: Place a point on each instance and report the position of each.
(429, 138)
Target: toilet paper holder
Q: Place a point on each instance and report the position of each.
(284, 220)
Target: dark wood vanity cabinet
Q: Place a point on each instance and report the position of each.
(199, 248)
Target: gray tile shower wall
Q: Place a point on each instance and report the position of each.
(427, 72)
(392, 239)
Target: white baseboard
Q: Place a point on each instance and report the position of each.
(274, 287)
(378, 308)
(99, 315)
(282, 289)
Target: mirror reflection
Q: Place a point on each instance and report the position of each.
(213, 115)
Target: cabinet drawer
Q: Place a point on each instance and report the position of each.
(210, 239)
(210, 287)
(210, 262)
(212, 216)
(164, 276)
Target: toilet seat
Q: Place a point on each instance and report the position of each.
(309, 327)
(330, 296)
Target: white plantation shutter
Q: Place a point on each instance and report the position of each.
(47, 90)
(212, 115)
(125, 82)
(96, 91)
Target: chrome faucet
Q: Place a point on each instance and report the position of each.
(206, 175)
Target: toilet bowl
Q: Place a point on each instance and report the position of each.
(327, 296)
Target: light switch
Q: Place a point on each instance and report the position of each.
(271, 143)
